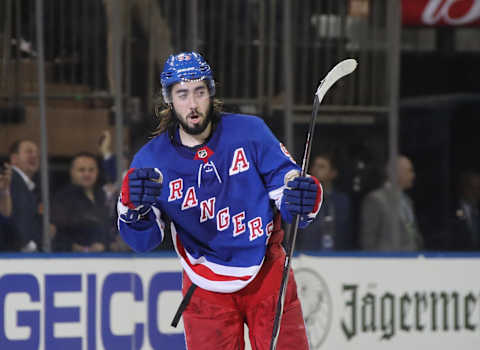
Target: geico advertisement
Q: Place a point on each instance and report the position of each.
(89, 304)
(348, 303)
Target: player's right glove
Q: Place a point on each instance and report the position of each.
(141, 188)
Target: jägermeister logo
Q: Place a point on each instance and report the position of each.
(388, 313)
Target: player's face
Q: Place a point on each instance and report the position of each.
(84, 172)
(191, 101)
(27, 159)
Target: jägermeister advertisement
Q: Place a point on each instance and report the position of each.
(390, 303)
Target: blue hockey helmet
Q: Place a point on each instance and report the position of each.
(186, 66)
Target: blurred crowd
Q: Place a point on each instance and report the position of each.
(83, 211)
(381, 216)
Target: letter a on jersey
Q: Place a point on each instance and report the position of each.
(190, 199)
(239, 163)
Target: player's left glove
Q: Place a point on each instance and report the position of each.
(302, 196)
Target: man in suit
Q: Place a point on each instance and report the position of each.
(465, 230)
(332, 228)
(388, 221)
(80, 210)
(26, 219)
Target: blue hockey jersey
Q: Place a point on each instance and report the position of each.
(220, 198)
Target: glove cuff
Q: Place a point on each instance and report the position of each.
(128, 215)
(318, 199)
(125, 194)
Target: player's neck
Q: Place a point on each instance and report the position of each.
(190, 140)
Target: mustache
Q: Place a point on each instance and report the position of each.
(195, 113)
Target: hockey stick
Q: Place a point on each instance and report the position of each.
(342, 69)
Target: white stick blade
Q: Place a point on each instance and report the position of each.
(342, 69)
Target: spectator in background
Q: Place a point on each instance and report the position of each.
(465, 228)
(108, 158)
(379, 230)
(26, 218)
(332, 228)
(5, 198)
(80, 211)
(109, 168)
(8, 238)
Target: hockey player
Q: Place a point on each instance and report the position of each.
(220, 180)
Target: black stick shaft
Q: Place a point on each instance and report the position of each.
(293, 233)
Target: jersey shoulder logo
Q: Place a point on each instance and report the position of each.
(285, 151)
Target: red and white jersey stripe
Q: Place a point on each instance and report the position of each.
(211, 276)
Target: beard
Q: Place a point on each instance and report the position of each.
(198, 128)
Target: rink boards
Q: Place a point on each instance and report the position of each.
(349, 302)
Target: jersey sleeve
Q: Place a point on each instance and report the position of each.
(274, 163)
(143, 235)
